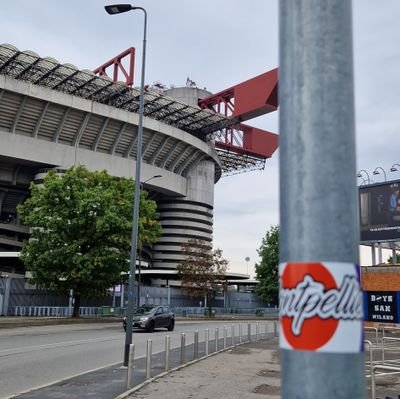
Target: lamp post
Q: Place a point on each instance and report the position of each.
(360, 175)
(140, 246)
(118, 9)
(394, 168)
(247, 259)
(376, 171)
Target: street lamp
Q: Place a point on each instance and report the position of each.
(393, 168)
(247, 259)
(360, 175)
(376, 171)
(140, 247)
(117, 9)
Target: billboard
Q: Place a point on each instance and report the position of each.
(381, 306)
(380, 211)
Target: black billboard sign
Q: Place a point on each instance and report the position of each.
(380, 211)
(382, 306)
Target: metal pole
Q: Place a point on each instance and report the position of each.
(225, 334)
(319, 232)
(130, 366)
(216, 339)
(196, 345)
(148, 358)
(248, 331)
(207, 338)
(232, 335)
(6, 295)
(167, 350)
(373, 254)
(139, 277)
(183, 338)
(394, 255)
(240, 333)
(275, 328)
(379, 253)
(266, 329)
(136, 200)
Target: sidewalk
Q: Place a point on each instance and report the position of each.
(245, 371)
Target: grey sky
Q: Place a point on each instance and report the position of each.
(218, 43)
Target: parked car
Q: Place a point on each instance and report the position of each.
(149, 317)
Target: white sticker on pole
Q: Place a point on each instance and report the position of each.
(320, 307)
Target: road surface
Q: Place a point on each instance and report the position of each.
(31, 357)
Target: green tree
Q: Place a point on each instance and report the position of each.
(267, 270)
(202, 270)
(81, 231)
(390, 258)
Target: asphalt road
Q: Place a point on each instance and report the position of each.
(38, 356)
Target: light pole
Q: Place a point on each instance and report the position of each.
(360, 175)
(394, 167)
(376, 171)
(140, 247)
(247, 259)
(118, 9)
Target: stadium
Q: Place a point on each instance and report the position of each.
(53, 115)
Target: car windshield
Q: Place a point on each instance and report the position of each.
(144, 309)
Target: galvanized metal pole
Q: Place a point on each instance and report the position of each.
(167, 351)
(183, 344)
(320, 300)
(136, 200)
(129, 378)
(373, 255)
(149, 353)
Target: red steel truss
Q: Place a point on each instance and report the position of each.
(116, 63)
(244, 101)
(242, 147)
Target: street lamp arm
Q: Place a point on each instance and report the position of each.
(360, 175)
(393, 168)
(376, 172)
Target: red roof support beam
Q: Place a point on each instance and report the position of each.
(248, 140)
(117, 65)
(246, 100)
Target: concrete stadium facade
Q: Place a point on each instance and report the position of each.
(55, 116)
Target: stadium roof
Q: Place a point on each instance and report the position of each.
(48, 72)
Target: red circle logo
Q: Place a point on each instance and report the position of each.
(312, 332)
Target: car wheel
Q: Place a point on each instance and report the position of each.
(150, 327)
(171, 325)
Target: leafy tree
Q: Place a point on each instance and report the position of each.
(81, 231)
(267, 271)
(390, 258)
(202, 270)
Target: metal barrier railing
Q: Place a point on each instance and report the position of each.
(389, 339)
(254, 331)
(376, 334)
(369, 362)
(384, 366)
(390, 371)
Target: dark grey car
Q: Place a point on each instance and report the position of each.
(149, 317)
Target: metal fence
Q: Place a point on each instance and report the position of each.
(382, 356)
(100, 311)
(197, 345)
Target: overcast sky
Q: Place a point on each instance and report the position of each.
(218, 43)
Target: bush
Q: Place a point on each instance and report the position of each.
(259, 312)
